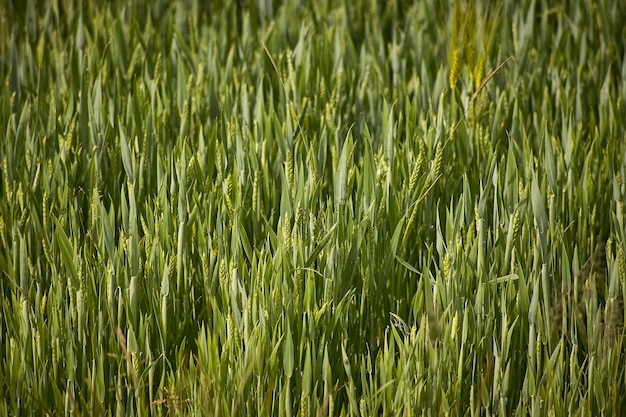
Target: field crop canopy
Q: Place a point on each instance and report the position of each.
(312, 208)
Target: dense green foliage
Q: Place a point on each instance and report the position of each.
(327, 208)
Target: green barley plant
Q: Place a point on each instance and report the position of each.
(318, 208)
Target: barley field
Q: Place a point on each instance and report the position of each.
(318, 208)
